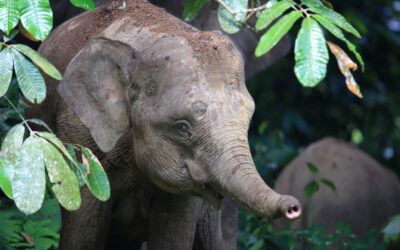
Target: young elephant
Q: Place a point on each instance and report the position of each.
(166, 110)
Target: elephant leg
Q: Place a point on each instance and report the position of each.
(173, 221)
(229, 224)
(208, 231)
(87, 227)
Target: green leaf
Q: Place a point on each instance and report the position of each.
(65, 186)
(29, 78)
(313, 168)
(53, 139)
(9, 15)
(330, 184)
(98, 181)
(39, 60)
(40, 123)
(258, 245)
(79, 169)
(392, 229)
(84, 4)
(276, 32)
(36, 17)
(311, 53)
(6, 70)
(334, 17)
(327, 4)
(192, 8)
(228, 22)
(12, 143)
(311, 188)
(6, 176)
(332, 28)
(29, 180)
(270, 14)
(10, 36)
(41, 234)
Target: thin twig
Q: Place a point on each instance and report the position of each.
(240, 11)
(19, 114)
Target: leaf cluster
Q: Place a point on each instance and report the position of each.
(313, 186)
(311, 51)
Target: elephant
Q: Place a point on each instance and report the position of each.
(165, 108)
(367, 193)
(207, 20)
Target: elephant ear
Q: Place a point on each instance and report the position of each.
(95, 85)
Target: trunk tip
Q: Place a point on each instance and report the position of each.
(290, 207)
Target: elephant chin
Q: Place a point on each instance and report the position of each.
(212, 196)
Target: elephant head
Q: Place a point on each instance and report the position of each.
(185, 101)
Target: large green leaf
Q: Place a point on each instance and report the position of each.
(65, 186)
(36, 17)
(339, 34)
(12, 143)
(39, 60)
(276, 32)
(85, 4)
(228, 22)
(6, 176)
(29, 78)
(192, 8)
(334, 17)
(270, 14)
(29, 180)
(311, 188)
(311, 53)
(9, 15)
(98, 181)
(6, 70)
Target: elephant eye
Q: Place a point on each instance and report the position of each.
(182, 126)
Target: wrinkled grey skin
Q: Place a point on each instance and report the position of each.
(367, 193)
(207, 20)
(165, 108)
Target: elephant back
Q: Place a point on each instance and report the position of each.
(367, 193)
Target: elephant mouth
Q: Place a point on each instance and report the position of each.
(212, 196)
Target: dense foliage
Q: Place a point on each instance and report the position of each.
(288, 117)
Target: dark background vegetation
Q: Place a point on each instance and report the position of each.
(289, 117)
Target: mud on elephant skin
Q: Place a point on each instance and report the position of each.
(207, 20)
(165, 108)
(367, 193)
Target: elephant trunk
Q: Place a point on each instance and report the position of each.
(236, 177)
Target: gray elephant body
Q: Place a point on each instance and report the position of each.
(165, 109)
(367, 193)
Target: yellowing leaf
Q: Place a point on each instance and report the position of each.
(345, 65)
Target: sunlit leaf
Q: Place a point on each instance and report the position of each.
(313, 168)
(29, 181)
(327, 4)
(12, 143)
(65, 185)
(276, 32)
(79, 169)
(192, 8)
(345, 65)
(36, 17)
(336, 18)
(311, 188)
(330, 184)
(270, 14)
(392, 230)
(29, 78)
(311, 53)
(98, 181)
(228, 22)
(39, 60)
(85, 4)
(6, 176)
(339, 34)
(9, 15)
(6, 70)
(26, 33)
